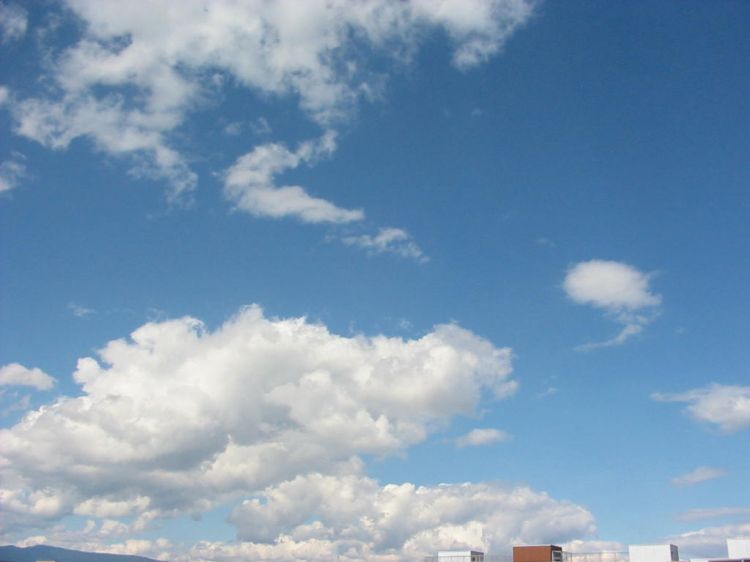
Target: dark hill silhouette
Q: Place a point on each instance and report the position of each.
(44, 552)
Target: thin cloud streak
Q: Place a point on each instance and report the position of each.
(700, 474)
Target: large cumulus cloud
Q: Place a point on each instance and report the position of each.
(178, 418)
(357, 514)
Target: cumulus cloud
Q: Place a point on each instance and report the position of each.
(108, 537)
(610, 285)
(708, 541)
(183, 418)
(619, 289)
(15, 374)
(249, 184)
(482, 436)
(13, 22)
(12, 171)
(175, 56)
(158, 549)
(723, 405)
(355, 514)
(388, 240)
(105, 508)
(700, 474)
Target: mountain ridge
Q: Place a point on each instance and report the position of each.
(11, 553)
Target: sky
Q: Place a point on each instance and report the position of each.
(336, 280)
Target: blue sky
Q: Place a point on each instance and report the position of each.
(294, 281)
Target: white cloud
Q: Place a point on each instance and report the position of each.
(550, 391)
(354, 513)
(18, 375)
(113, 129)
(13, 22)
(610, 285)
(176, 56)
(99, 538)
(249, 184)
(700, 474)
(700, 514)
(4, 95)
(12, 171)
(708, 541)
(80, 311)
(348, 516)
(478, 29)
(260, 126)
(234, 128)
(619, 289)
(187, 418)
(19, 405)
(546, 242)
(482, 436)
(723, 405)
(388, 240)
(102, 507)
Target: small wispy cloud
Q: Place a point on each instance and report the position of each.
(702, 514)
(20, 405)
(12, 171)
(233, 129)
(260, 126)
(13, 22)
(545, 242)
(404, 324)
(482, 436)
(550, 391)
(700, 474)
(80, 311)
(388, 240)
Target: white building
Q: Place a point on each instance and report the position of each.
(653, 553)
(460, 556)
(738, 548)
